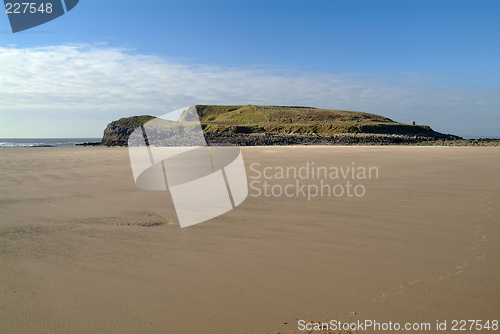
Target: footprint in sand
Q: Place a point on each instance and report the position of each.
(460, 268)
(399, 291)
(413, 283)
(444, 276)
(382, 296)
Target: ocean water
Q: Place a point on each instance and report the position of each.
(33, 142)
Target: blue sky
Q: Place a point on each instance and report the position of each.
(436, 62)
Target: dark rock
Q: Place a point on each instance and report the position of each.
(117, 132)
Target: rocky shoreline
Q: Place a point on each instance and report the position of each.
(366, 139)
(269, 139)
(95, 143)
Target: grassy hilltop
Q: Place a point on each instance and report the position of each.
(299, 120)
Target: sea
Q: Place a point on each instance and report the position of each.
(38, 142)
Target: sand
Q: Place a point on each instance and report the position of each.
(83, 250)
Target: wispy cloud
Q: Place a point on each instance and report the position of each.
(101, 83)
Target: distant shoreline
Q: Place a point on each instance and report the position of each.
(47, 142)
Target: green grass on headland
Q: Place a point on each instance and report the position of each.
(280, 125)
(300, 120)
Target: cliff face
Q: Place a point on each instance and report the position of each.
(117, 132)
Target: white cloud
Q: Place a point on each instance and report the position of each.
(85, 87)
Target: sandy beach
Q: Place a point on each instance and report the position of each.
(83, 250)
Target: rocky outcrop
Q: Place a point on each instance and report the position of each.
(261, 125)
(117, 132)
